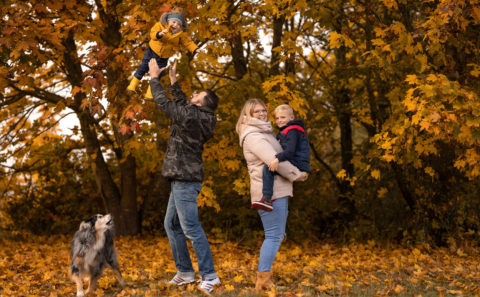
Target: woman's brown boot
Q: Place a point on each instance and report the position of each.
(264, 281)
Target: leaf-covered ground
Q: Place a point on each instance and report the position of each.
(39, 267)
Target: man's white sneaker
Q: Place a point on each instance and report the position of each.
(180, 281)
(207, 286)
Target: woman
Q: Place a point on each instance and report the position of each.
(259, 148)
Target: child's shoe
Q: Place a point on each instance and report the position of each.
(263, 204)
(149, 93)
(133, 84)
(207, 286)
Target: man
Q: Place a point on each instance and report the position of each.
(192, 125)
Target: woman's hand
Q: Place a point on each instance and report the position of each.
(273, 166)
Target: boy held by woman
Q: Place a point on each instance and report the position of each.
(294, 140)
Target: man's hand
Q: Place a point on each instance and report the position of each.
(154, 70)
(173, 72)
(273, 166)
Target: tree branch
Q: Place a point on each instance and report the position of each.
(218, 75)
(329, 169)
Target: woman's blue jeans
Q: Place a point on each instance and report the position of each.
(274, 224)
(181, 222)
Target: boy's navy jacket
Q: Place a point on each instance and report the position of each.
(294, 141)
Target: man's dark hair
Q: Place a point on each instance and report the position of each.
(210, 99)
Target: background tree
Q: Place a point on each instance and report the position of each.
(388, 90)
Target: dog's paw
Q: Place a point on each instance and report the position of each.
(80, 294)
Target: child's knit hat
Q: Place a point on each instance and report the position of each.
(175, 14)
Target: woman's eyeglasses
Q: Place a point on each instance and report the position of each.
(259, 111)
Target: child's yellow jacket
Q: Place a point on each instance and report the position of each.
(169, 44)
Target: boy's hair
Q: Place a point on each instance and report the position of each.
(283, 107)
(211, 99)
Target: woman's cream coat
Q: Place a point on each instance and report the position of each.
(259, 148)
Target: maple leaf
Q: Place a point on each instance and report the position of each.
(342, 174)
(375, 174)
(129, 115)
(135, 127)
(412, 79)
(124, 129)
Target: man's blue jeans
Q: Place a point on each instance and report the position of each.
(274, 224)
(181, 222)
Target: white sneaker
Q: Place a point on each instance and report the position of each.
(180, 281)
(207, 286)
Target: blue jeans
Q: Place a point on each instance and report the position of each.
(274, 223)
(181, 222)
(267, 179)
(143, 68)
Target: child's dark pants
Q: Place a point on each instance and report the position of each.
(143, 68)
(267, 178)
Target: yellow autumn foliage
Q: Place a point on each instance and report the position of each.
(39, 267)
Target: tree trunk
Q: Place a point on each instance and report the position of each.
(236, 46)
(159, 188)
(371, 129)
(128, 204)
(116, 84)
(379, 105)
(108, 189)
(343, 110)
(276, 42)
(346, 145)
(238, 58)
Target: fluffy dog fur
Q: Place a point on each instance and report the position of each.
(92, 248)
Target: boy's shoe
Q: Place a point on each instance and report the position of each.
(263, 204)
(180, 281)
(207, 286)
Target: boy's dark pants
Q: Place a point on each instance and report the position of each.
(267, 178)
(143, 68)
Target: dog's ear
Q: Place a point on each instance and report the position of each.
(84, 225)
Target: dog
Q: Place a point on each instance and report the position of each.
(91, 249)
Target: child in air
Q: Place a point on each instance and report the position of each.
(294, 141)
(167, 37)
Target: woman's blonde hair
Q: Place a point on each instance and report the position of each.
(247, 112)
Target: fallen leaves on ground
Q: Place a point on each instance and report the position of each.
(39, 267)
